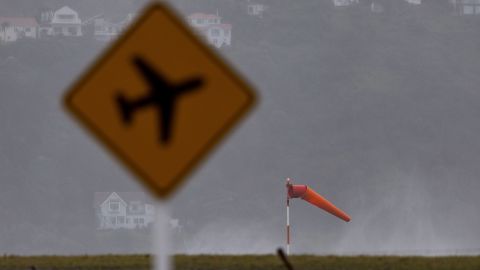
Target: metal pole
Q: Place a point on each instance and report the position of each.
(161, 240)
(288, 226)
(288, 218)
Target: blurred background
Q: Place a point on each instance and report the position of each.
(374, 104)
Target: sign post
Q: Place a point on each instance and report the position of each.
(160, 100)
(162, 238)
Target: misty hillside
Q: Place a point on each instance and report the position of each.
(377, 110)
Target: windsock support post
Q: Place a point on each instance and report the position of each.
(309, 195)
(288, 219)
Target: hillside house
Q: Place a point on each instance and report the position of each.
(344, 3)
(44, 28)
(466, 7)
(414, 2)
(64, 22)
(211, 27)
(14, 28)
(123, 210)
(106, 30)
(255, 9)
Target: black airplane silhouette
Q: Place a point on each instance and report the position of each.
(162, 95)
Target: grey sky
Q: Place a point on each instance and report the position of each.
(379, 112)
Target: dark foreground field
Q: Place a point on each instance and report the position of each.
(263, 262)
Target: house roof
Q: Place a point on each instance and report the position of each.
(128, 197)
(199, 15)
(19, 21)
(66, 9)
(210, 26)
(139, 211)
(114, 21)
(105, 22)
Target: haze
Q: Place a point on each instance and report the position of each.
(379, 112)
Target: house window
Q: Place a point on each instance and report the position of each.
(114, 206)
(477, 9)
(215, 32)
(113, 220)
(136, 206)
(468, 10)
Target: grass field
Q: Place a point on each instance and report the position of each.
(264, 262)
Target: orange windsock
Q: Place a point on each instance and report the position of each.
(306, 193)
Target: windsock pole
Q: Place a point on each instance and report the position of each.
(288, 219)
(309, 195)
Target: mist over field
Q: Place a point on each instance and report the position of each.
(377, 111)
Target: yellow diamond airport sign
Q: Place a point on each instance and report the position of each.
(159, 99)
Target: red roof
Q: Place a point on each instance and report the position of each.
(206, 27)
(19, 21)
(203, 16)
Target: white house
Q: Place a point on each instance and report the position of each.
(14, 28)
(123, 210)
(414, 2)
(106, 30)
(466, 7)
(202, 19)
(218, 35)
(256, 9)
(65, 22)
(211, 27)
(44, 28)
(344, 3)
